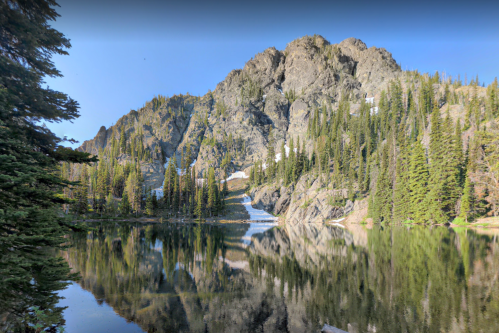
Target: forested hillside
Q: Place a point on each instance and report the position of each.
(321, 129)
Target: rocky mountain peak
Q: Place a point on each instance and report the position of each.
(275, 92)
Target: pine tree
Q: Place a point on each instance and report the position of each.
(176, 195)
(467, 200)
(80, 207)
(154, 201)
(199, 204)
(149, 204)
(211, 192)
(123, 140)
(401, 204)
(418, 182)
(292, 162)
(110, 204)
(438, 191)
(282, 162)
(218, 201)
(125, 205)
(382, 210)
(32, 231)
(271, 156)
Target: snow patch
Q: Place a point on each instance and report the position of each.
(236, 175)
(256, 228)
(335, 223)
(256, 214)
(278, 155)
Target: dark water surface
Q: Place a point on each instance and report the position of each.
(196, 278)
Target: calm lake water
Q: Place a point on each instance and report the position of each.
(267, 278)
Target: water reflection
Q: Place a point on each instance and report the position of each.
(195, 278)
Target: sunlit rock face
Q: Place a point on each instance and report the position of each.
(274, 94)
(309, 201)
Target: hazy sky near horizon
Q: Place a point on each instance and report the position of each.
(126, 52)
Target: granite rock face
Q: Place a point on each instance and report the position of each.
(307, 202)
(269, 100)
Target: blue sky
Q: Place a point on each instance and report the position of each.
(125, 52)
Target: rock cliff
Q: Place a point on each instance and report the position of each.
(276, 92)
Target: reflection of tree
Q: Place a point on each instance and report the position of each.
(148, 285)
(405, 280)
(174, 278)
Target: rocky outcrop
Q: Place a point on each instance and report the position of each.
(265, 197)
(272, 198)
(374, 67)
(307, 202)
(99, 142)
(153, 174)
(271, 99)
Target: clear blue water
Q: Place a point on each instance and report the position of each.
(263, 278)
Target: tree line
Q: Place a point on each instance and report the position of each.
(410, 157)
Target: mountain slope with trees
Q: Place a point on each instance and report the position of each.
(323, 129)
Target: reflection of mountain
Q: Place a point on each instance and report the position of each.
(302, 240)
(171, 279)
(393, 280)
(293, 278)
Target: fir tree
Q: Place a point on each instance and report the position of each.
(31, 230)
(401, 198)
(437, 194)
(154, 201)
(123, 140)
(176, 195)
(282, 162)
(125, 205)
(382, 210)
(199, 204)
(467, 200)
(80, 207)
(149, 204)
(418, 182)
(211, 206)
(110, 204)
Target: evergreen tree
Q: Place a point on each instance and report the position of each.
(125, 206)
(282, 162)
(292, 162)
(271, 156)
(199, 204)
(31, 271)
(467, 200)
(80, 207)
(401, 198)
(154, 201)
(123, 140)
(418, 182)
(437, 194)
(110, 204)
(176, 195)
(149, 204)
(211, 206)
(382, 210)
